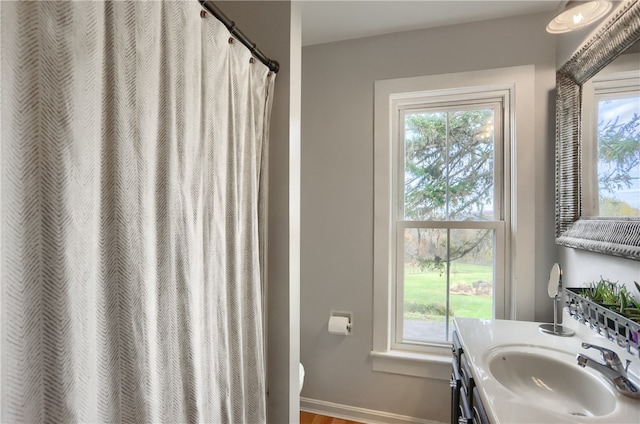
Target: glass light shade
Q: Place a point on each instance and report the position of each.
(578, 14)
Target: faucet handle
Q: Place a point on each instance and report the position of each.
(608, 356)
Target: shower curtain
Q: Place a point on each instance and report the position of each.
(132, 184)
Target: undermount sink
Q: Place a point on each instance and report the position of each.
(551, 380)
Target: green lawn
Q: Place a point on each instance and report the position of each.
(425, 288)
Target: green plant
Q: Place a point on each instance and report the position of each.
(615, 296)
(634, 301)
(603, 291)
(633, 308)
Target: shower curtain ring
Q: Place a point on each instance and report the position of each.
(203, 14)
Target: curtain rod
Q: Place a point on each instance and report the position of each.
(273, 65)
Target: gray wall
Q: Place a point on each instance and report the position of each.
(580, 267)
(275, 27)
(337, 193)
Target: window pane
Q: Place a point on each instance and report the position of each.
(471, 274)
(449, 165)
(425, 173)
(619, 157)
(425, 284)
(471, 164)
(447, 273)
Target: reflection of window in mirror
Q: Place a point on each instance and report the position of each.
(611, 140)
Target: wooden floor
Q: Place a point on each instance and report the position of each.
(309, 418)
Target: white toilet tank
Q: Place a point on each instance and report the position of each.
(301, 376)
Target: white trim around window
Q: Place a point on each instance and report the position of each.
(516, 86)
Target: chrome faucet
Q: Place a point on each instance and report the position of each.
(612, 369)
(610, 358)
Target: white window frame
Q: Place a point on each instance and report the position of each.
(516, 86)
(399, 106)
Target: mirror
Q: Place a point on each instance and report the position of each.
(576, 225)
(554, 288)
(555, 280)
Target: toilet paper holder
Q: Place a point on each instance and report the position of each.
(340, 322)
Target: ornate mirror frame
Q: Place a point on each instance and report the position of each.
(617, 236)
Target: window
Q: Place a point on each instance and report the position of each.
(445, 195)
(450, 212)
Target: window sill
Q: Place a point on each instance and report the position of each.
(427, 365)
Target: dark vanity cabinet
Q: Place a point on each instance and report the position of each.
(466, 405)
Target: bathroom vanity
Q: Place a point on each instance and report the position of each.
(466, 405)
(511, 372)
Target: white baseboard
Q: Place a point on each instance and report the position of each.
(353, 413)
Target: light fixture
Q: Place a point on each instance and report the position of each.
(578, 14)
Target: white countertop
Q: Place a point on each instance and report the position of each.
(480, 339)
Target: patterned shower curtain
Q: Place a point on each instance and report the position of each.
(132, 176)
